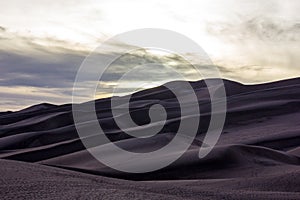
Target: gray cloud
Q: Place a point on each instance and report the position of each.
(50, 65)
(263, 28)
(2, 28)
(51, 71)
(263, 49)
(31, 70)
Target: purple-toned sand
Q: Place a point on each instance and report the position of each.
(256, 157)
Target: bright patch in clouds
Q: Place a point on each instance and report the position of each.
(42, 43)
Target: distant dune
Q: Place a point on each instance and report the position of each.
(256, 157)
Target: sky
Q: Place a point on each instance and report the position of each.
(43, 42)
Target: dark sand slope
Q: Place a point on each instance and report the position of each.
(21, 180)
(257, 156)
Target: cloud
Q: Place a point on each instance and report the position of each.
(33, 71)
(268, 47)
(262, 28)
(41, 57)
(2, 29)
(36, 71)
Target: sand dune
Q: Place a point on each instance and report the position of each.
(256, 157)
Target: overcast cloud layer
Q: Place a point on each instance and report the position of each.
(43, 43)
